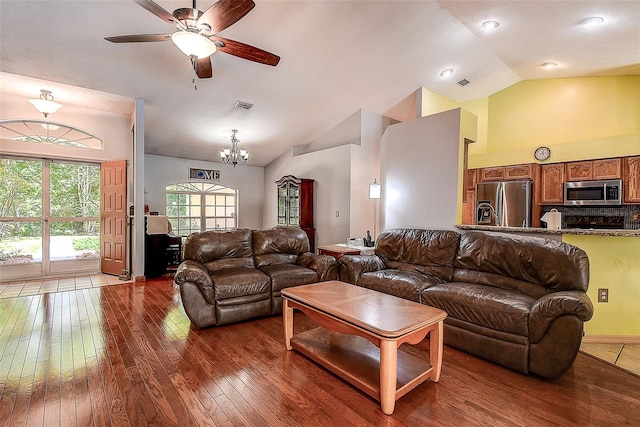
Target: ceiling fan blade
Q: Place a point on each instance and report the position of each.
(135, 38)
(203, 68)
(246, 51)
(224, 13)
(157, 10)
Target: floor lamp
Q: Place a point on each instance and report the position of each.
(374, 193)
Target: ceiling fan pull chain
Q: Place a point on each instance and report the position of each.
(193, 67)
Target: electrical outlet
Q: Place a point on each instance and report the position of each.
(603, 295)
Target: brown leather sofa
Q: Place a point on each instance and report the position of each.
(229, 276)
(519, 302)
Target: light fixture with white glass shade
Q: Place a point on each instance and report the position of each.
(45, 104)
(193, 44)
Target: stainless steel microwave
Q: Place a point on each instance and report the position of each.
(607, 192)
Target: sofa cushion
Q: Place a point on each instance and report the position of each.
(495, 308)
(218, 249)
(401, 283)
(279, 245)
(287, 275)
(238, 282)
(430, 252)
(528, 260)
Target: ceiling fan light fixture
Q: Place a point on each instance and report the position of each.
(193, 44)
(45, 104)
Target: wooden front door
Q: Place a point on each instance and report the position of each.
(113, 217)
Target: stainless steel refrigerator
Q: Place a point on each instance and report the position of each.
(504, 203)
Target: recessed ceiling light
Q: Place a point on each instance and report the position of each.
(446, 73)
(592, 22)
(490, 25)
(549, 65)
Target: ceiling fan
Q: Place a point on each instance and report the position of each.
(196, 34)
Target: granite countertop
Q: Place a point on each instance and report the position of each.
(578, 231)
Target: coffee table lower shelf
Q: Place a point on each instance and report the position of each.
(357, 361)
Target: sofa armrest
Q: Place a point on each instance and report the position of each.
(546, 309)
(355, 265)
(194, 272)
(321, 264)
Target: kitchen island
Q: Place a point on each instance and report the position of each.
(614, 258)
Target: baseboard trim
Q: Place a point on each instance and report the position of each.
(611, 339)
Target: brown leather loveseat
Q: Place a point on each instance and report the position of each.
(229, 276)
(517, 301)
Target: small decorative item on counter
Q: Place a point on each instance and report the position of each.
(553, 218)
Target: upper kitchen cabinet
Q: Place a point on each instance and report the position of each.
(607, 169)
(631, 179)
(579, 171)
(491, 174)
(552, 183)
(502, 173)
(519, 171)
(594, 169)
(295, 204)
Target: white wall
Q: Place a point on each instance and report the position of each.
(330, 168)
(419, 162)
(114, 130)
(248, 180)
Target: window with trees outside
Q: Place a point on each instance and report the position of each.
(193, 207)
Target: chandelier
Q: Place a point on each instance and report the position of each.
(234, 155)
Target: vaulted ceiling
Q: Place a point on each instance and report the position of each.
(337, 57)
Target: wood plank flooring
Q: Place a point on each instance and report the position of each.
(126, 355)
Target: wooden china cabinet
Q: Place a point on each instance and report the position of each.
(295, 205)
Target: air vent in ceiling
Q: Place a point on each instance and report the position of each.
(243, 105)
(463, 82)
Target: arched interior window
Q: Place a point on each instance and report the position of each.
(197, 206)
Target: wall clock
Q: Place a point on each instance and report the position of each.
(542, 153)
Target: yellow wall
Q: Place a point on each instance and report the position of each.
(432, 103)
(578, 118)
(614, 265)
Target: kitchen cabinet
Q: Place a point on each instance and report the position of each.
(594, 169)
(607, 168)
(631, 179)
(295, 205)
(469, 208)
(552, 177)
(491, 174)
(502, 173)
(579, 171)
(471, 179)
(518, 171)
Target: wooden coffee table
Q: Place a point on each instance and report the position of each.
(360, 333)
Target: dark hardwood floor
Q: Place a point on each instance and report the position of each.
(126, 355)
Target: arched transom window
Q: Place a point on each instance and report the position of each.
(197, 206)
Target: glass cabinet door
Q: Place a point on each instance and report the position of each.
(294, 204)
(282, 205)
